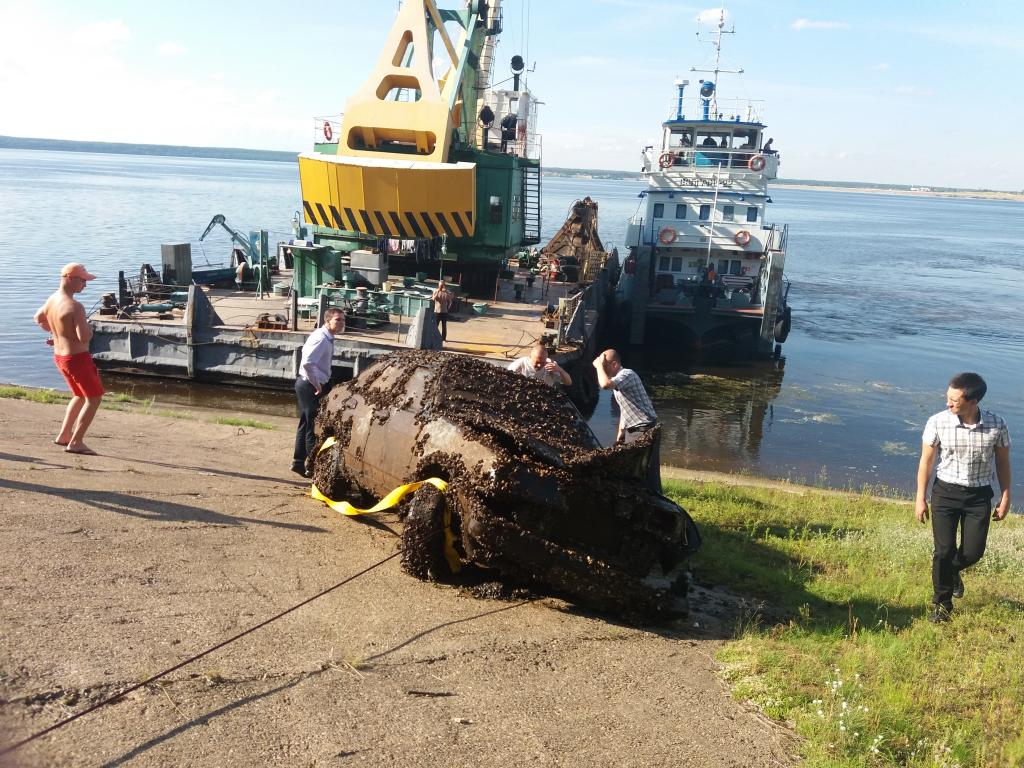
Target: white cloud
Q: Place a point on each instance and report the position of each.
(101, 34)
(881, 67)
(711, 16)
(67, 86)
(170, 48)
(809, 24)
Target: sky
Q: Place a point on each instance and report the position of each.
(884, 92)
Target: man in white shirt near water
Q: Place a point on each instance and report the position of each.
(966, 440)
(312, 384)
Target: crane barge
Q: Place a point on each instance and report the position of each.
(417, 169)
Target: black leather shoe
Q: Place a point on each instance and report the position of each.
(940, 614)
(300, 469)
(958, 586)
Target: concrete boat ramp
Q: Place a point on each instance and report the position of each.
(218, 336)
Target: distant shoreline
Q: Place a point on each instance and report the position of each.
(266, 155)
(975, 194)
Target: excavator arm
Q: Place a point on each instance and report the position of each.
(236, 238)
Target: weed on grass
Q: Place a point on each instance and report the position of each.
(842, 648)
(233, 421)
(34, 395)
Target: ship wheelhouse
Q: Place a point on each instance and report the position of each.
(706, 206)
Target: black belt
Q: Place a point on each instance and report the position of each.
(954, 486)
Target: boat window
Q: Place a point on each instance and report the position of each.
(677, 263)
(659, 210)
(705, 212)
(663, 262)
(681, 211)
(735, 267)
(728, 212)
(680, 139)
(752, 213)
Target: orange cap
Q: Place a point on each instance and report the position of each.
(76, 270)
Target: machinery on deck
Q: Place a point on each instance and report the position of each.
(417, 170)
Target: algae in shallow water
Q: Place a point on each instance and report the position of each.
(715, 392)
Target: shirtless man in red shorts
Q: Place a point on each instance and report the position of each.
(64, 318)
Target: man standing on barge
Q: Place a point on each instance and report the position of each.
(64, 318)
(312, 384)
(966, 440)
(636, 412)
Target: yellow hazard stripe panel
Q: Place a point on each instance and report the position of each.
(387, 197)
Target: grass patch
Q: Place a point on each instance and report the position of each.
(843, 649)
(167, 413)
(233, 421)
(34, 395)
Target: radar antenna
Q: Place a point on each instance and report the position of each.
(717, 42)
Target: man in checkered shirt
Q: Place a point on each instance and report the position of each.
(966, 440)
(636, 412)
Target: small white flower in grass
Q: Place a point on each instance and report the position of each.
(842, 728)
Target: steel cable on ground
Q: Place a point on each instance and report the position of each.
(154, 678)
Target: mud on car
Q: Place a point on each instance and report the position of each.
(532, 496)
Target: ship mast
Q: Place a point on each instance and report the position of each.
(718, 58)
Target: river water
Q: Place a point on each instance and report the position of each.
(891, 295)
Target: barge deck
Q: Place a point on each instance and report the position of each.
(217, 336)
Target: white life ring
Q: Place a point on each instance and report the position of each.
(756, 163)
(328, 132)
(666, 159)
(667, 235)
(742, 238)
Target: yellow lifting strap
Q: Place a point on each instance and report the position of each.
(399, 493)
(386, 503)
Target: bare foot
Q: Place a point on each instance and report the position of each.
(61, 443)
(82, 449)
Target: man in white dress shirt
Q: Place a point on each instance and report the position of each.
(967, 441)
(312, 384)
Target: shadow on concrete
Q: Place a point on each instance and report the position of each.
(146, 508)
(203, 720)
(209, 470)
(453, 622)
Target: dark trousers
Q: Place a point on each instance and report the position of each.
(304, 439)
(654, 467)
(969, 509)
(441, 319)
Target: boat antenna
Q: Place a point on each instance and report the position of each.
(714, 209)
(717, 42)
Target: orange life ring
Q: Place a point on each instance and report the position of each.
(742, 238)
(756, 163)
(328, 132)
(666, 159)
(667, 235)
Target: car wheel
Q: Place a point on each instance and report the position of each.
(423, 536)
(329, 473)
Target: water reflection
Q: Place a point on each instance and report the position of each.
(712, 418)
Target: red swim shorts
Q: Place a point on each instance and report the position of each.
(80, 373)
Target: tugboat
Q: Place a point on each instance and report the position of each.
(704, 271)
